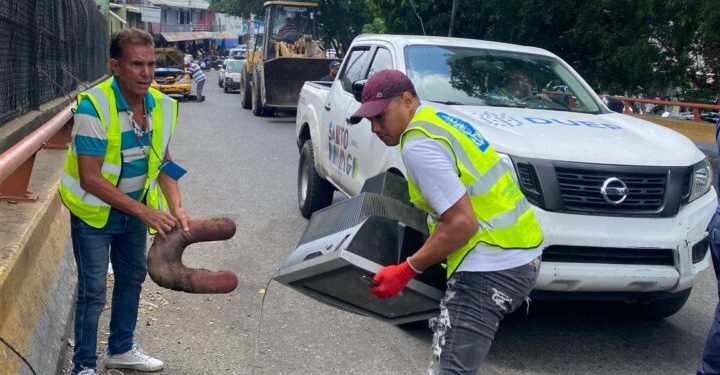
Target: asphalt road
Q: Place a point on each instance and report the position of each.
(245, 167)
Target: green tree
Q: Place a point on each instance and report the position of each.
(237, 7)
(616, 45)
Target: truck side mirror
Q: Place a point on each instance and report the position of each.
(357, 89)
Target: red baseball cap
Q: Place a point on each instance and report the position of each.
(379, 90)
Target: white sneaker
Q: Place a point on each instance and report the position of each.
(134, 359)
(87, 371)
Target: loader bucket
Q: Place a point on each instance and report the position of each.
(285, 76)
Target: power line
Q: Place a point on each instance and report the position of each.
(418, 16)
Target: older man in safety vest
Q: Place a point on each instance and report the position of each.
(481, 225)
(115, 186)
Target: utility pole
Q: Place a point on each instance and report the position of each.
(452, 17)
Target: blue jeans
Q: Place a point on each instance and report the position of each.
(470, 314)
(710, 363)
(123, 240)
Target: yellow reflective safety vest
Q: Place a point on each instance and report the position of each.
(505, 218)
(91, 209)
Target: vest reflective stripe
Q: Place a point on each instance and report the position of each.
(451, 140)
(169, 110)
(84, 205)
(506, 219)
(503, 220)
(111, 168)
(483, 185)
(70, 183)
(160, 140)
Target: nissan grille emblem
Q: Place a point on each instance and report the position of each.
(614, 190)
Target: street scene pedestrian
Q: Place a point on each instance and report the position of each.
(199, 77)
(490, 271)
(114, 188)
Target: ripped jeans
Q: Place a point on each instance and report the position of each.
(470, 314)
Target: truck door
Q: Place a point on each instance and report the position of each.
(363, 141)
(339, 149)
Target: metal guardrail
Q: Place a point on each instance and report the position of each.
(696, 107)
(16, 163)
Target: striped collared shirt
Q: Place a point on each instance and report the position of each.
(89, 138)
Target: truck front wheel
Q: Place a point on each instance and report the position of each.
(257, 108)
(245, 95)
(659, 308)
(314, 192)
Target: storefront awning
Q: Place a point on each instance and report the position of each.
(187, 35)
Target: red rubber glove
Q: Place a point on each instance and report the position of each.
(391, 280)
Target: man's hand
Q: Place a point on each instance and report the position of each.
(182, 216)
(392, 279)
(158, 220)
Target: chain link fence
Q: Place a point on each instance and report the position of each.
(46, 46)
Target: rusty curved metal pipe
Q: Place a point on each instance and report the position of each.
(164, 260)
(15, 156)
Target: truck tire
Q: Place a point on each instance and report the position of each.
(245, 95)
(257, 108)
(659, 308)
(225, 89)
(314, 192)
(256, 104)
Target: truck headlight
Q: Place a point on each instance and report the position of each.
(526, 177)
(505, 159)
(701, 180)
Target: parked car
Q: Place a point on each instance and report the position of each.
(230, 75)
(624, 203)
(221, 70)
(171, 77)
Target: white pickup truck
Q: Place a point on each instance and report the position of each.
(624, 203)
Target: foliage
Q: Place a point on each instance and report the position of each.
(237, 7)
(617, 45)
(376, 27)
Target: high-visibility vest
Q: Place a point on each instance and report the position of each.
(505, 218)
(91, 209)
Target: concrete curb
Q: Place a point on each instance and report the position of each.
(54, 328)
(36, 284)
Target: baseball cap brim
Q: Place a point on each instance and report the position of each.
(369, 109)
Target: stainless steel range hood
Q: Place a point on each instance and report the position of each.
(344, 245)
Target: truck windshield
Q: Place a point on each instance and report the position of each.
(289, 23)
(472, 76)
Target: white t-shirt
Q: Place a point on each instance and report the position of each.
(431, 166)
